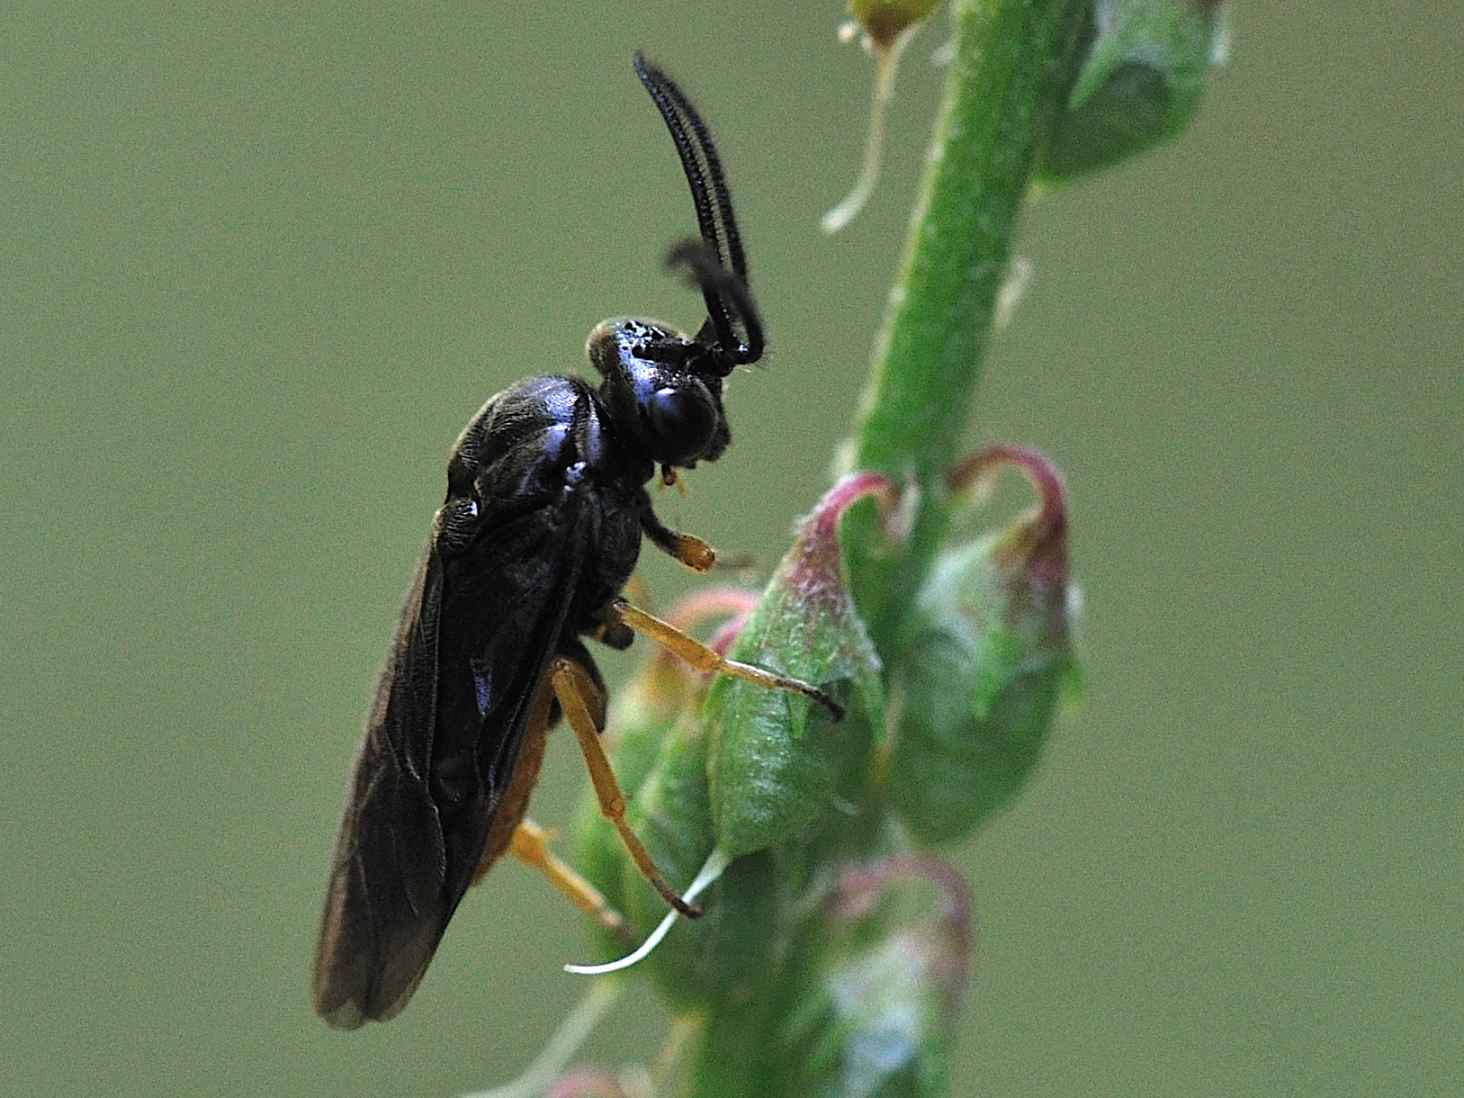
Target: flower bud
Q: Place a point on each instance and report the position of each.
(644, 728)
(890, 985)
(775, 757)
(1142, 73)
(883, 21)
(985, 657)
(728, 951)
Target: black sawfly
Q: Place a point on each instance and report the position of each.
(542, 525)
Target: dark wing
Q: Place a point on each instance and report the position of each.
(476, 633)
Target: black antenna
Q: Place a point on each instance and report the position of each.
(717, 223)
(717, 282)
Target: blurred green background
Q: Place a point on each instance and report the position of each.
(258, 265)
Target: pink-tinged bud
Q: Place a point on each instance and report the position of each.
(1030, 555)
(943, 941)
(776, 757)
(984, 660)
(892, 977)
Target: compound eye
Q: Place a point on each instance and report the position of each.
(684, 420)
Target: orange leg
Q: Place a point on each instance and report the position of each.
(530, 845)
(577, 696)
(687, 548)
(706, 659)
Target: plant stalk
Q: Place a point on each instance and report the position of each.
(1012, 65)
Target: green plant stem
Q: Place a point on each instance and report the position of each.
(1011, 66)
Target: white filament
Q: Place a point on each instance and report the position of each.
(885, 64)
(712, 869)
